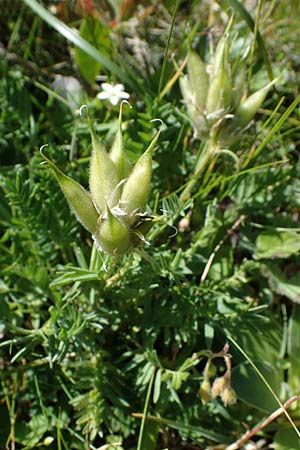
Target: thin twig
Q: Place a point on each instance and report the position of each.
(249, 434)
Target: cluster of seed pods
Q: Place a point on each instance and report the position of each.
(214, 95)
(113, 210)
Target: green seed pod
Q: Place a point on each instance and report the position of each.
(221, 58)
(219, 94)
(251, 105)
(112, 235)
(197, 118)
(103, 178)
(78, 198)
(136, 189)
(239, 78)
(198, 78)
(118, 155)
(186, 90)
(220, 89)
(238, 84)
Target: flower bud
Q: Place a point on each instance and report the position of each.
(250, 106)
(198, 78)
(218, 386)
(112, 235)
(48, 440)
(209, 370)
(78, 198)
(103, 177)
(228, 396)
(205, 391)
(136, 189)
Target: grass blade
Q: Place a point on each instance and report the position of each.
(216, 437)
(164, 65)
(240, 9)
(74, 37)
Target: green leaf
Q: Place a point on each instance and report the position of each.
(151, 431)
(277, 244)
(157, 386)
(289, 287)
(260, 338)
(197, 430)
(241, 10)
(250, 388)
(29, 435)
(286, 440)
(294, 350)
(74, 37)
(94, 32)
(4, 426)
(73, 274)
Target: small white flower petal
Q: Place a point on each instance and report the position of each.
(113, 93)
(107, 87)
(119, 87)
(123, 95)
(103, 95)
(114, 100)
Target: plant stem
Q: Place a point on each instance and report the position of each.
(139, 447)
(206, 154)
(249, 434)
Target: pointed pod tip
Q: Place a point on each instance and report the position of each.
(125, 102)
(121, 110)
(82, 107)
(46, 160)
(42, 149)
(158, 120)
(155, 139)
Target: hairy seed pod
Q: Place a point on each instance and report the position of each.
(103, 178)
(251, 105)
(186, 90)
(78, 198)
(221, 57)
(238, 84)
(197, 118)
(112, 235)
(198, 78)
(136, 189)
(118, 155)
(219, 94)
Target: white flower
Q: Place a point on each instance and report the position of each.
(112, 92)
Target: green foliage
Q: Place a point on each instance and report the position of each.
(127, 352)
(94, 32)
